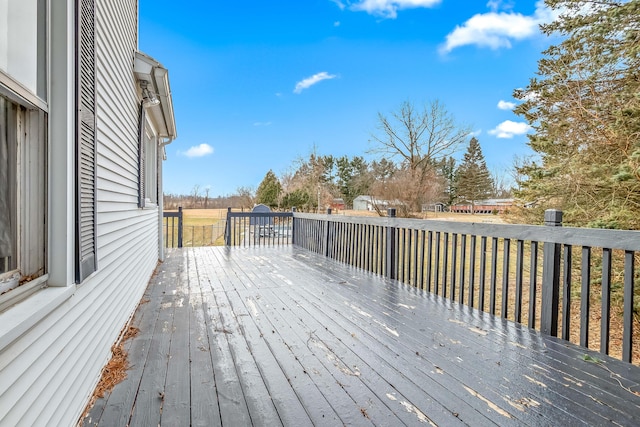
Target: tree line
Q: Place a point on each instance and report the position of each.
(421, 175)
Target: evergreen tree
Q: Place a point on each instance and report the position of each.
(299, 199)
(447, 170)
(585, 110)
(473, 180)
(268, 192)
(353, 178)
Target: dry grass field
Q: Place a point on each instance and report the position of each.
(439, 216)
(201, 227)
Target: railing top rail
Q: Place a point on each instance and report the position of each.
(591, 237)
(259, 214)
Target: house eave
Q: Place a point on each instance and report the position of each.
(148, 69)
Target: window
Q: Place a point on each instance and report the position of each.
(150, 168)
(22, 193)
(23, 150)
(147, 162)
(8, 145)
(23, 43)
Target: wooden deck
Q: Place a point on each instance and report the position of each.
(281, 336)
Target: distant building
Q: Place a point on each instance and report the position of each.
(486, 206)
(337, 204)
(369, 203)
(434, 207)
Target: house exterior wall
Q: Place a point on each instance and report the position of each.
(49, 371)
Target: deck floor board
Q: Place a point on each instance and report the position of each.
(282, 336)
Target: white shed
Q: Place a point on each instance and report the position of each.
(82, 229)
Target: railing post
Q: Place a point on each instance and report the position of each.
(551, 277)
(390, 248)
(326, 234)
(293, 225)
(179, 226)
(227, 229)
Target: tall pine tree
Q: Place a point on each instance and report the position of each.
(473, 180)
(447, 170)
(584, 107)
(268, 192)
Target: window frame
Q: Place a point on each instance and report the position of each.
(151, 168)
(147, 161)
(28, 203)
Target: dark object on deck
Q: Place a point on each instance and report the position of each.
(262, 220)
(258, 228)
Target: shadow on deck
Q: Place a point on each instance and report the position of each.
(282, 336)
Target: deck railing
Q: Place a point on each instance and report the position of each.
(258, 228)
(570, 282)
(178, 231)
(172, 228)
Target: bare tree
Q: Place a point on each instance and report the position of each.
(195, 195)
(206, 196)
(406, 192)
(245, 196)
(418, 138)
(502, 184)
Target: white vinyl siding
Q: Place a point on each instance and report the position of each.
(48, 374)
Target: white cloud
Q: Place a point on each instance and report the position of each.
(262, 124)
(509, 129)
(384, 8)
(497, 29)
(336, 24)
(476, 132)
(199, 151)
(310, 81)
(496, 5)
(506, 105)
(339, 3)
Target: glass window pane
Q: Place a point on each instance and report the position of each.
(22, 43)
(7, 183)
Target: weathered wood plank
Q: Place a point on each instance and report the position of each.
(285, 336)
(258, 400)
(472, 350)
(401, 381)
(115, 409)
(150, 395)
(288, 404)
(278, 338)
(204, 397)
(176, 399)
(231, 399)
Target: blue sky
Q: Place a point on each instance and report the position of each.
(257, 83)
